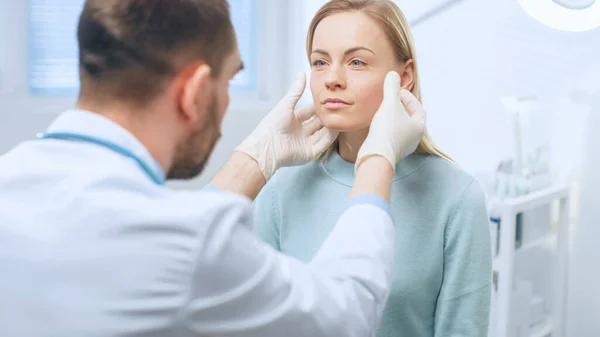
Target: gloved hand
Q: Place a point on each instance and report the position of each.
(286, 137)
(394, 133)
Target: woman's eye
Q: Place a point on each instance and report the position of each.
(319, 63)
(357, 63)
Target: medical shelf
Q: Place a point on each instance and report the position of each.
(504, 214)
(545, 331)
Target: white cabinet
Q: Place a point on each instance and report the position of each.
(530, 264)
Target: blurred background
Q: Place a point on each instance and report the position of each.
(512, 93)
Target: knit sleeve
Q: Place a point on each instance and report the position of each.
(266, 215)
(463, 303)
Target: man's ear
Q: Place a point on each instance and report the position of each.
(196, 92)
(408, 75)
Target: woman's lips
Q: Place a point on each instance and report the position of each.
(335, 104)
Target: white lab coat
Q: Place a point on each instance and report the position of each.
(90, 246)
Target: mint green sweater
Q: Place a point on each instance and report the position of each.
(442, 281)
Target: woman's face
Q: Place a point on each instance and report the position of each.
(350, 58)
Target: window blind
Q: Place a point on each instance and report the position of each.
(53, 62)
(53, 46)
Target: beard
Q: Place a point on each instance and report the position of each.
(191, 156)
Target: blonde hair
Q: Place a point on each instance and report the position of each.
(392, 21)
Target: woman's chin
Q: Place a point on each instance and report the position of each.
(342, 123)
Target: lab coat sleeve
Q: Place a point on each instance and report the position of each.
(463, 304)
(243, 287)
(210, 188)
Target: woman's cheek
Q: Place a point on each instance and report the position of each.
(314, 89)
(368, 98)
(316, 82)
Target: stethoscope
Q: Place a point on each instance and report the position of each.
(107, 144)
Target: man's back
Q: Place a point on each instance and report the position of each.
(89, 246)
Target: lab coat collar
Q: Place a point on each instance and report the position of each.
(94, 125)
(342, 171)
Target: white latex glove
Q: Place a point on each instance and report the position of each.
(286, 137)
(394, 133)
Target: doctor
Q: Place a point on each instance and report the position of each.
(93, 244)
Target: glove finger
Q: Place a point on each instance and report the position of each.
(391, 86)
(413, 106)
(311, 126)
(288, 102)
(305, 113)
(322, 140)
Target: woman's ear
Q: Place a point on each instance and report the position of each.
(407, 75)
(195, 93)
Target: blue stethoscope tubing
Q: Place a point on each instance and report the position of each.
(107, 144)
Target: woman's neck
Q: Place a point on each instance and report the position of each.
(349, 143)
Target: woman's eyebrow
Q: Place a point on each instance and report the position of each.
(348, 51)
(354, 49)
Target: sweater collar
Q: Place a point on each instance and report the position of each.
(343, 171)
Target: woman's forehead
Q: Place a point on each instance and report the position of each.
(347, 30)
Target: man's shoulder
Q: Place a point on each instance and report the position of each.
(143, 202)
(191, 208)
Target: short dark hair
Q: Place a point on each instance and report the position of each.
(129, 48)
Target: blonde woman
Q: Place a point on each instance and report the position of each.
(442, 276)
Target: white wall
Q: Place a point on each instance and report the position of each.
(479, 51)
(584, 289)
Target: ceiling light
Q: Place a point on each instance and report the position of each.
(567, 15)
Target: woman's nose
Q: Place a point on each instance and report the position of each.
(335, 79)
